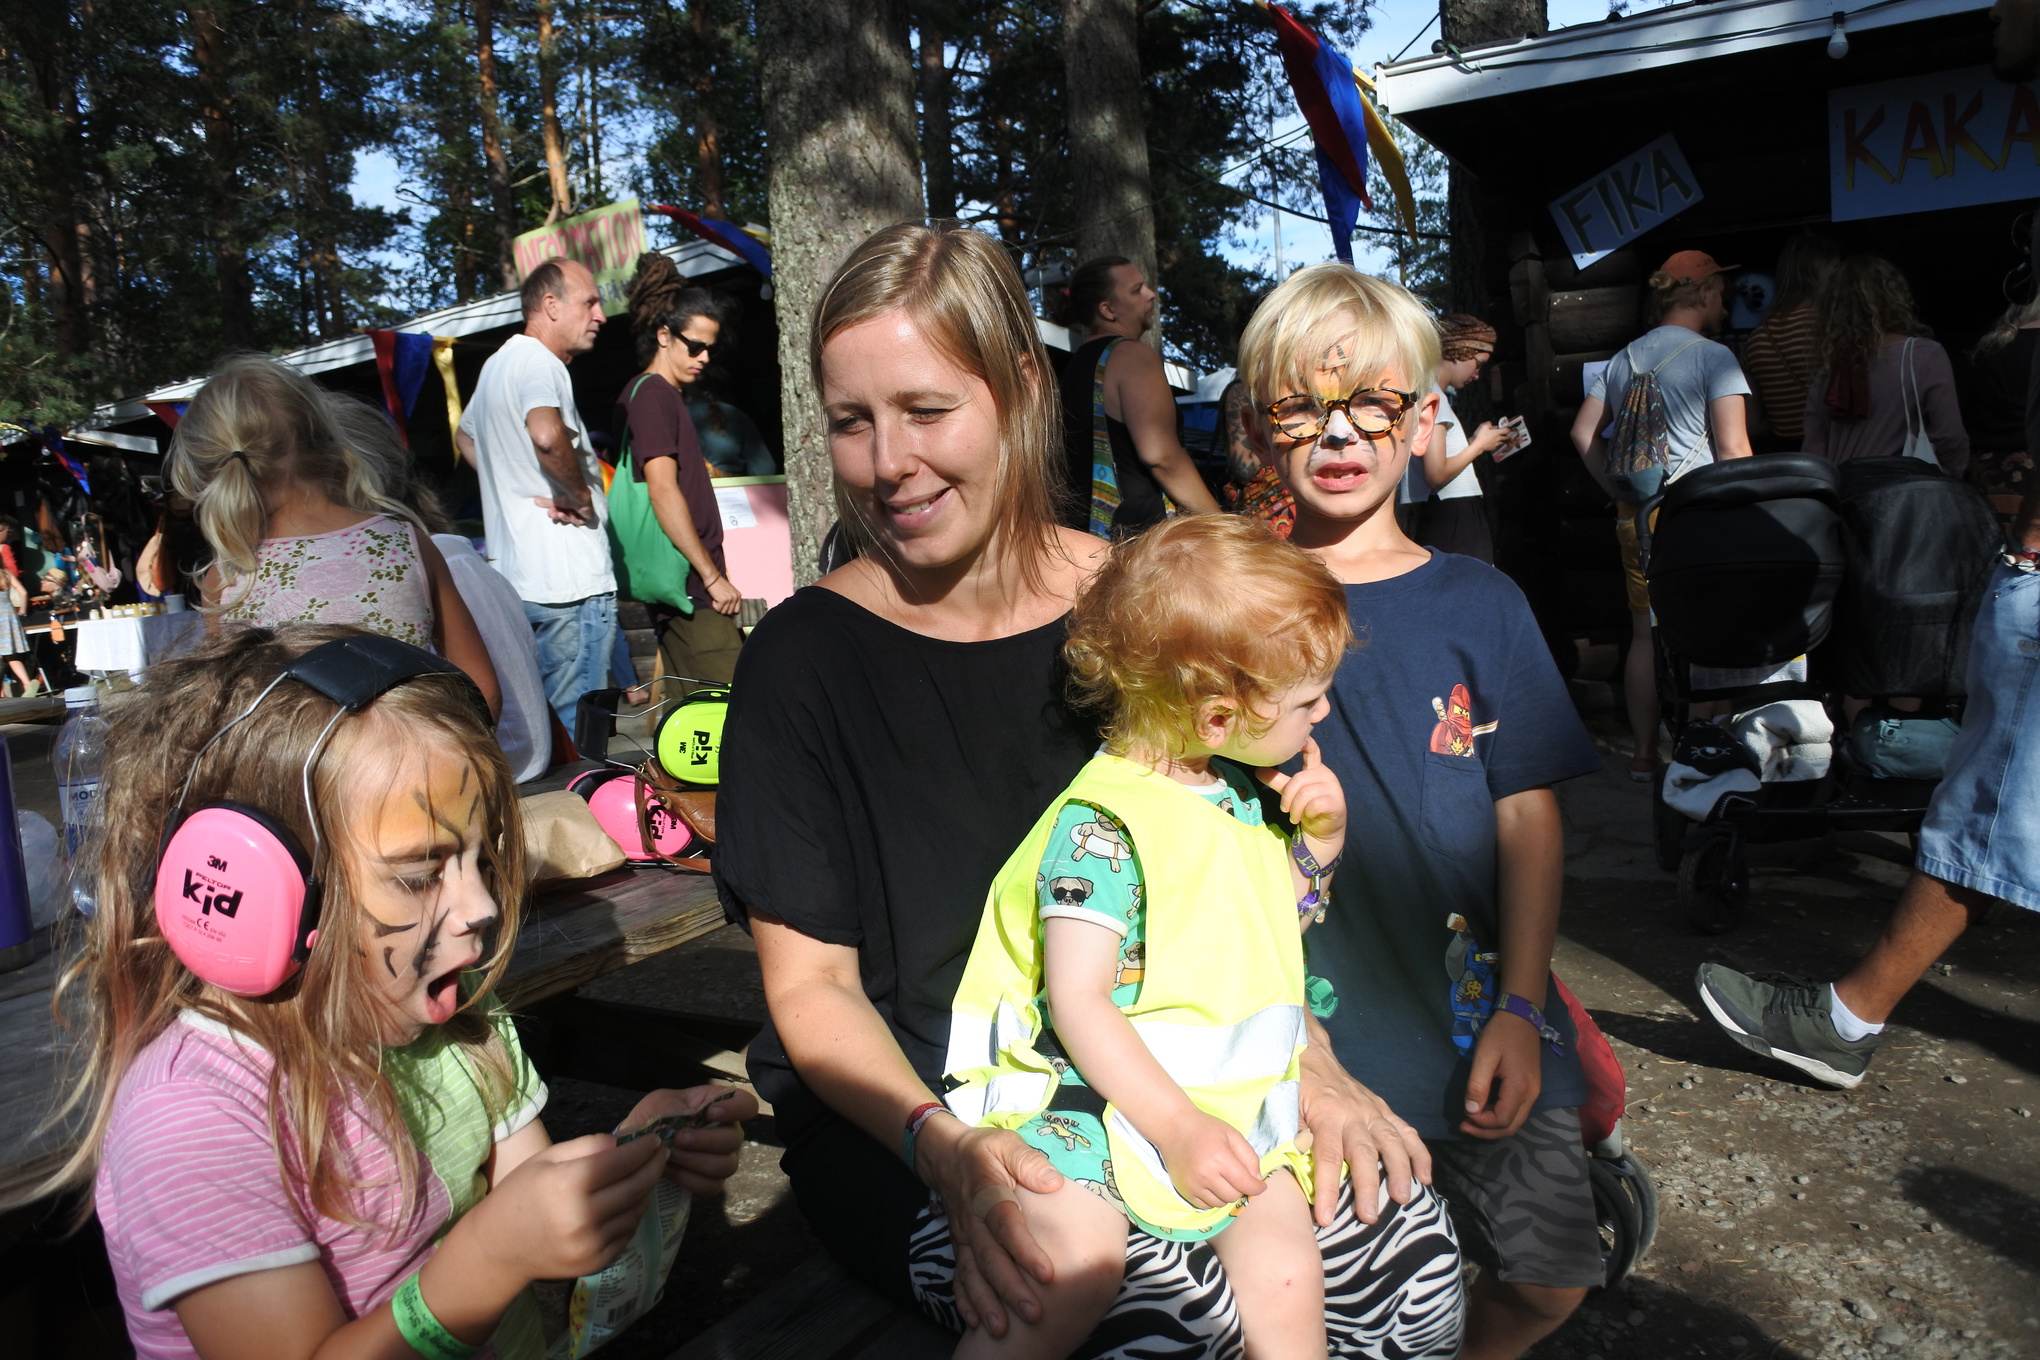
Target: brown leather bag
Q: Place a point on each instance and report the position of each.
(692, 808)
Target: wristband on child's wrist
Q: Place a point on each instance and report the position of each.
(1521, 1008)
(915, 1121)
(1312, 904)
(423, 1332)
(1308, 862)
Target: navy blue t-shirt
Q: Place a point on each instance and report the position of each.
(1449, 702)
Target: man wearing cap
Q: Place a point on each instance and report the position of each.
(1704, 392)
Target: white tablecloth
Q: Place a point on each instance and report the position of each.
(131, 644)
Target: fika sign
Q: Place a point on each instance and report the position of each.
(1946, 140)
(1625, 201)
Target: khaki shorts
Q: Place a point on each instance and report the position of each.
(1633, 584)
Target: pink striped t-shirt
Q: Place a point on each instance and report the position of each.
(189, 1192)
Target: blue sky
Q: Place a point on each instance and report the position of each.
(1397, 24)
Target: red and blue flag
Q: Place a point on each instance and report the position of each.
(727, 235)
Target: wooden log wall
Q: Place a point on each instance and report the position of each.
(1570, 317)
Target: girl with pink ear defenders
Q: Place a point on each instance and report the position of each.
(292, 1062)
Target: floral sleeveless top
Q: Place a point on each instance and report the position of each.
(370, 574)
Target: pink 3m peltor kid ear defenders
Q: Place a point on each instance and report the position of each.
(237, 897)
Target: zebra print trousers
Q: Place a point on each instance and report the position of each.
(1392, 1290)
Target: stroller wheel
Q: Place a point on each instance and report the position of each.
(1668, 827)
(1625, 1210)
(1714, 884)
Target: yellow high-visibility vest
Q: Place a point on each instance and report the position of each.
(1221, 1003)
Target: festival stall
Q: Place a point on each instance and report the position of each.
(1594, 152)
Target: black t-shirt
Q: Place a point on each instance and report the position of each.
(1995, 414)
(655, 414)
(1140, 495)
(1448, 703)
(874, 782)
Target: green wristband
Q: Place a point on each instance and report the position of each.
(423, 1332)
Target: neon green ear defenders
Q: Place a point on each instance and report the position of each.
(689, 738)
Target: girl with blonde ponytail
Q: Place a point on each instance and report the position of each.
(299, 492)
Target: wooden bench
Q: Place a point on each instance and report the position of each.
(817, 1312)
(572, 935)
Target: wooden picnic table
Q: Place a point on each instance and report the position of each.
(570, 935)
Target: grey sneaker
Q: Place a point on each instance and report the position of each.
(1789, 1019)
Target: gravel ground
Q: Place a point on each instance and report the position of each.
(1894, 1220)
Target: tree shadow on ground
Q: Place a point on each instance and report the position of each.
(1987, 1212)
(1670, 1325)
(1602, 917)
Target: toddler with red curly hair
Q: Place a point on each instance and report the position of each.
(1135, 1005)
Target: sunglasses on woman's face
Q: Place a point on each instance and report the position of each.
(697, 348)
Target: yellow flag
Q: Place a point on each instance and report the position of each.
(1386, 154)
(442, 359)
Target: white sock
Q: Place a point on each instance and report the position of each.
(1846, 1024)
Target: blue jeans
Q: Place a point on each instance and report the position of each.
(575, 644)
(1983, 827)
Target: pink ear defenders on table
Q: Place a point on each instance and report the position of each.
(237, 898)
(613, 797)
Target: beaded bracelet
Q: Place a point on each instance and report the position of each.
(423, 1332)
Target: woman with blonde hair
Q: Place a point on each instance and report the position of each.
(1885, 388)
(295, 1144)
(300, 494)
(896, 730)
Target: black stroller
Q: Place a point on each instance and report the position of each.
(1753, 563)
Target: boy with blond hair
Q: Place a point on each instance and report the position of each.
(1449, 725)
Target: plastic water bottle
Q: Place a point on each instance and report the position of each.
(79, 754)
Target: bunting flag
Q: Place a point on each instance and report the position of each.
(401, 361)
(169, 412)
(1345, 126)
(442, 359)
(1381, 145)
(54, 442)
(740, 240)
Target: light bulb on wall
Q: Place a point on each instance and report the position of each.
(1838, 41)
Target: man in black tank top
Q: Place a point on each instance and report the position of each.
(1111, 300)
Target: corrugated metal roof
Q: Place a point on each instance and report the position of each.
(1637, 42)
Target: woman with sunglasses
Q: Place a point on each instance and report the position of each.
(678, 329)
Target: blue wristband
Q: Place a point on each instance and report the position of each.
(1523, 1010)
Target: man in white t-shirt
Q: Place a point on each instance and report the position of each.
(542, 503)
(1704, 394)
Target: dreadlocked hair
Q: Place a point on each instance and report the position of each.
(660, 296)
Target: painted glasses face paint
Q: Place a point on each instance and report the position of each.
(1374, 412)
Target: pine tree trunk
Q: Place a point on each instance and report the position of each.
(322, 251)
(938, 154)
(549, 116)
(64, 234)
(707, 134)
(1108, 131)
(839, 116)
(230, 252)
(1470, 23)
(492, 145)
